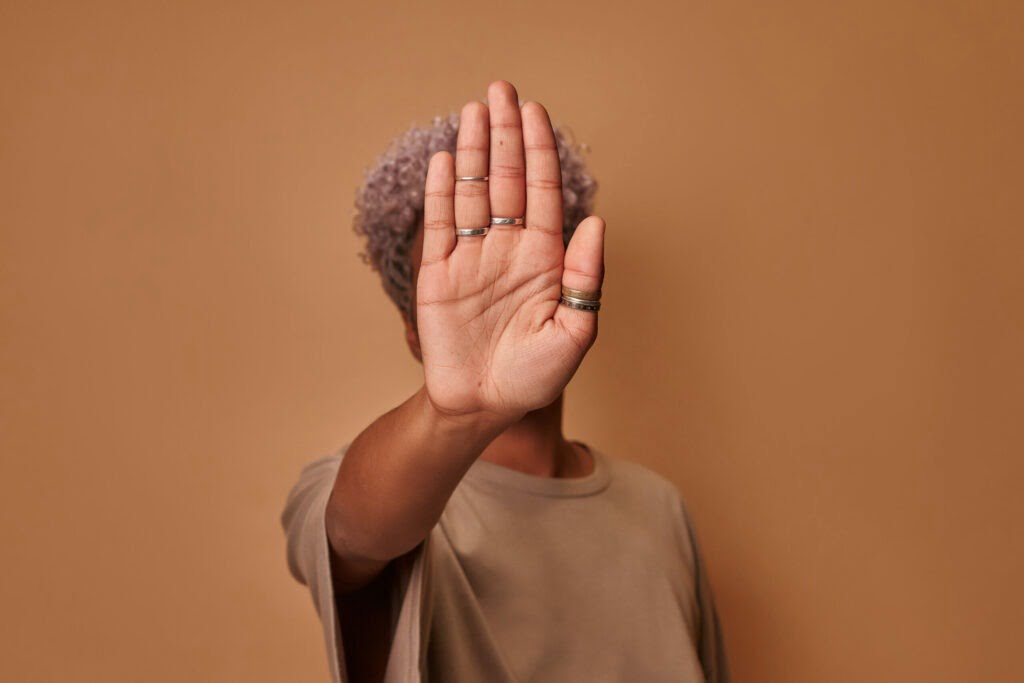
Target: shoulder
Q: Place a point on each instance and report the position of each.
(324, 467)
(303, 517)
(637, 479)
(312, 486)
(653, 502)
(647, 490)
(320, 468)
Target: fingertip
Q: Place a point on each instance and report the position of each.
(594, 225)
(533, 108)
(584, 256)
(502, 90)
(441, 169)
(473, 109)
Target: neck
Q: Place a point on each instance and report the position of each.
(535, 445)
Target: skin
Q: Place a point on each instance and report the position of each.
(497, 351)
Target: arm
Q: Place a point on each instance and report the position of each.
(495, 341)
(394, 482)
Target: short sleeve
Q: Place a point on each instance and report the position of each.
(309, 561)
(711, 640)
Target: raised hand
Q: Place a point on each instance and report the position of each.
(494, 338)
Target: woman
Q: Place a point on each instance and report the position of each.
(461, 536)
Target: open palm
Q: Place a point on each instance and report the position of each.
(492, 333)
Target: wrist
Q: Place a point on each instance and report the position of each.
(482, 423)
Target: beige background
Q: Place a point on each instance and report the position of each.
(829, 195)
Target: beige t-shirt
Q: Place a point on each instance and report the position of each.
(527, 578)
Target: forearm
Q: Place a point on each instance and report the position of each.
(396, 478)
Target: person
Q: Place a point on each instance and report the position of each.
(461, 536)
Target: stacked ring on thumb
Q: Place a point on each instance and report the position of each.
(580, 300)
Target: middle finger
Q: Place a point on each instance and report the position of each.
(508, 165)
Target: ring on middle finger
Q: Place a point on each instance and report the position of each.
(496, 220)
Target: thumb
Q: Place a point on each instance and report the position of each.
(583, 270)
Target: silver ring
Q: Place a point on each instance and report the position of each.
(507, 221)
(471, 177)
(580, 304)
(470, 232)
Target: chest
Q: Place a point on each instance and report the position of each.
(561, 590)
(617, 566)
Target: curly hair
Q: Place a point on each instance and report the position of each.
(389, 204)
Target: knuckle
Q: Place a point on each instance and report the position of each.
(436, 224)
(546, 229)
(471, 191)
(507, 171)
(544, 184)
(427, 262)
(586, 279)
